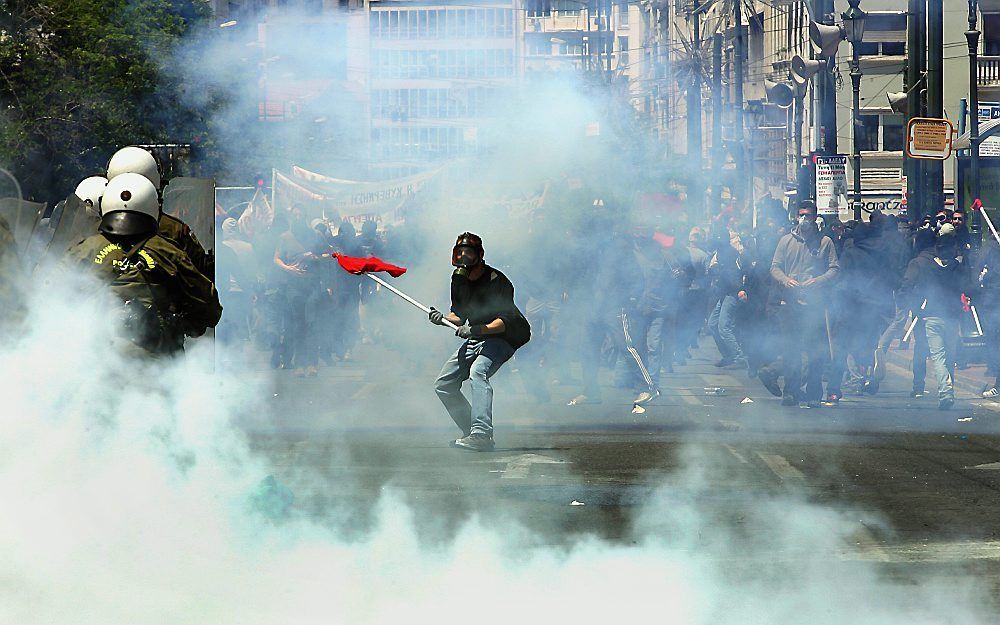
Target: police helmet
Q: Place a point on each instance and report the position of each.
(134, 160)
(90, 190)
(130, 206)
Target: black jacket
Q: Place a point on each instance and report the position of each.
(941, 286)
(479, 302)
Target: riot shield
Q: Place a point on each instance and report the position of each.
(192, 200)
(21, 216)
(75, 224)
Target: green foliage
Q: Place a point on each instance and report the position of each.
(81, 78)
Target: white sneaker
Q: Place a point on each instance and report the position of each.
(645, 397)
(991, 393)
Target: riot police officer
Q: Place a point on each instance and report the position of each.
(136, 160)
(164, 296)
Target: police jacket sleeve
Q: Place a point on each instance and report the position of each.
(199, 301)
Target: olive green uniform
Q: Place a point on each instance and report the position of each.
(165, 297)
(178, 233)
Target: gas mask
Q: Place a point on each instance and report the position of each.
(808, 225)
(467, 253)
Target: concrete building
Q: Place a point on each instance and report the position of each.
(602, 38)
(435, 71)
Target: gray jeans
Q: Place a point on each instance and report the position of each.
(476, 360)
(942, 338)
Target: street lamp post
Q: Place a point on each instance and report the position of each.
(854, 31)
(972, 35)
(754, 113)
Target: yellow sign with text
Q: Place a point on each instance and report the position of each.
(929, 138)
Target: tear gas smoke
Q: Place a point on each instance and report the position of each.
(131, 493)
(129, 497)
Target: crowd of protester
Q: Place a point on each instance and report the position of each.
(808, 305)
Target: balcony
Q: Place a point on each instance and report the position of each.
(989, 71)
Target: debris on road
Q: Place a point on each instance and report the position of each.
(746, 400)
(965, 419)
(637, 409)
(577, 503)
(715, 390)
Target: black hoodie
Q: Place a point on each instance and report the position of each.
(942, 285)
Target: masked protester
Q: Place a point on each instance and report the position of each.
(482, 305)
(935, 281)
(804, 265)
(296, 258)
(164, 297)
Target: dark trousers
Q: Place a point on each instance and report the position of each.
(803, 330)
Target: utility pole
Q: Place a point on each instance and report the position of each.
(694, 108)
(935, 94)
(717, 150)
(826, 91)
(738, 104)
(915, 200)
(972, 36)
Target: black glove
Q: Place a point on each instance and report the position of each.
(436, 316)
(464, 331)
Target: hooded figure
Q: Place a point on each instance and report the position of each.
(934, 283)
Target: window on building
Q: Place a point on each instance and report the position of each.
(885, 34)
(538, 8)
(567, 7)
(623, 15)
(991, 34)
(868, 139)
(623, 52)
(893, 133)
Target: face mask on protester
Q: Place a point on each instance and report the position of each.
(808, 225)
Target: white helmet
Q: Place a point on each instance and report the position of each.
(91, 190)
(134, 160)
(130, 206)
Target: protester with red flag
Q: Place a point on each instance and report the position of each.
(482, 305)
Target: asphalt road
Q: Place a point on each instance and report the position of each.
(917, 489)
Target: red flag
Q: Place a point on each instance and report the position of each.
(354, 265)
(665, 240)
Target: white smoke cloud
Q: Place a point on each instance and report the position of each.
(129, 496)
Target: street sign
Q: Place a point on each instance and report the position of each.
(929, 138)
(991, 145)
(831, 184)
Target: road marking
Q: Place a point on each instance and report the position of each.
(988, 404)
(365, 391)
(688, 397)
(735, 453)
(989, 466)
(931, 552)
(869, 546)
(518, 467)
(780, 467)
(726, 381)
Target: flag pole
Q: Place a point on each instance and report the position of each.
(408, 298)
(989, 222)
